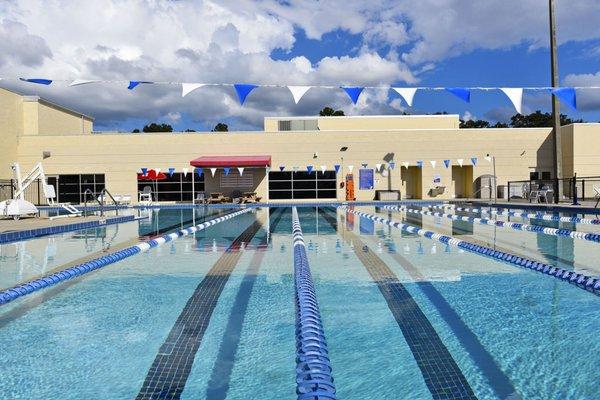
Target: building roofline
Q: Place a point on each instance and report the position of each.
(364, 116)
(48, 103)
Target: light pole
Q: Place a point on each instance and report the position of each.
(556, 133)
(495, 178)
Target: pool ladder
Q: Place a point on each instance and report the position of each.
(101, 199)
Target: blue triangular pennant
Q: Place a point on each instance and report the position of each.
(567, 95)
(447, 163)
(199, 172)
(474, 160)
(420, 164)
(462, 93)
(243, 91)
(392, 165)
(39, 81)
(353, 92)
(144, 171)
(226, 169)
(364, 165)
(171, 172)
(337, 168)
(309, 169)
(281, 168)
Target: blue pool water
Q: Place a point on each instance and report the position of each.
(403, 315)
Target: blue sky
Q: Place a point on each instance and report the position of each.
(429, 43)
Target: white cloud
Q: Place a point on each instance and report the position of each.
(231, 41)
(587, 99)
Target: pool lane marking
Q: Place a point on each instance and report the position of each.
(160, 231)
(496, 378)
(313, 367)
(24, 289)
(590, 237)
(588, 283)
(441, 373)
(542, 216)
(218, 385)
(168, 374)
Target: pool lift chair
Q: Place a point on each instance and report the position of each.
(18, 206)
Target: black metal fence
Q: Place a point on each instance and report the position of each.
(545, 190)
(34, 193)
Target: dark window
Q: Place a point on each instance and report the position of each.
(302, 185)
(174, 188)
(534, 176)
(546, 175)
(71, 188)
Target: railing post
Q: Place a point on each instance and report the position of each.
(582, 188)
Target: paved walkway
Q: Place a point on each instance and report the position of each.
(27, 223)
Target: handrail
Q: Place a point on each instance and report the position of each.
(85, 201)
(104, 192)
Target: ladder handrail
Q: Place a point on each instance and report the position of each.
(104, 192)
(85, 201)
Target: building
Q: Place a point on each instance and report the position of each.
(82, 159)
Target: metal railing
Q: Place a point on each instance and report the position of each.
(33, 194)
(100, 199)
(574, 189)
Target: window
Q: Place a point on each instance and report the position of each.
(546, 175)
(298, 125)
(174, 188)
(72, 187)
(302, 185)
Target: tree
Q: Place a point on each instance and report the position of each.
(479, 123)
(190, 130)
(221, 127)
(330, 112)
(539, 119)
(154, 127)
(136, 130)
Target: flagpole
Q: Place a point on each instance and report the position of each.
(556, 132)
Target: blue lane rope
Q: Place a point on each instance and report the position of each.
(589, 283)
(590, 237)
(313, 368)
(539, 215)
(24, 289)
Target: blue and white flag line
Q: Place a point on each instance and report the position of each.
(589, 283)
(24, 289)
(543, 216)
(517, 226)
(313, 368)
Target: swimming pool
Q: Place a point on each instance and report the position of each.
(215, 313)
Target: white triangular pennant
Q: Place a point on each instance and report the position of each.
(213, 171)
(298, 92)
(460, 161)
(187, 88)
(377, 167)
(185, 172)
(407, 94)
(433, 162)
(516, 97)
(295, 169)
(350, 168)
(405, 164)
(323, 168)
(157, 171)
(78, 82)
(241, 170)
(488, 159)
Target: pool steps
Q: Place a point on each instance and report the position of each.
(24, 289)
(313, 368)
(589, 236)
(542, 216)
(589, 283)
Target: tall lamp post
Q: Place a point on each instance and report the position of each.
(556, 133)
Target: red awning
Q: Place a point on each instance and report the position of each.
(232, 161)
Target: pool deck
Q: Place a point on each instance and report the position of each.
(28, 223)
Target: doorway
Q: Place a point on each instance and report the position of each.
(462, 180)
(412, 182)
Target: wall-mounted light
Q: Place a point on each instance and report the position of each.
(46, 154)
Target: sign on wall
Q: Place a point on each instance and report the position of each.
(437, 178)
(365, 178)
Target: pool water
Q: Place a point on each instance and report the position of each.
(405, 317)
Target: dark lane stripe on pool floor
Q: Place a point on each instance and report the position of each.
(218, 385)
(173, 363)
(443, 377)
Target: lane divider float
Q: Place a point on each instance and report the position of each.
(542, 216)
(589, 283)
(313, 368)
(517, 226)
(24, 289)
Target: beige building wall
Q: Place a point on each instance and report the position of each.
(586, 149)
(120, 156)
(11, 126)
(44, 118)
